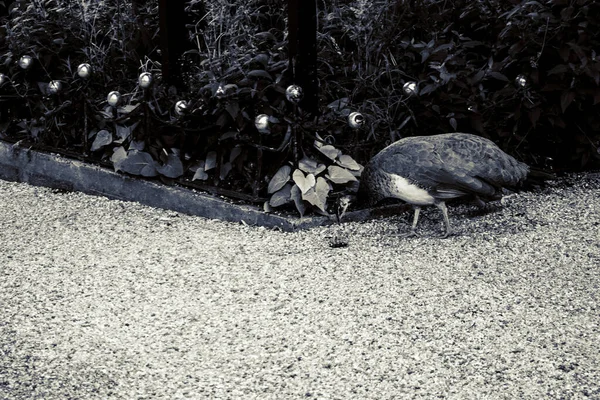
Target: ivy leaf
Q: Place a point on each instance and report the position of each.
(137, 145)
(296, 195)
(103, 138)
(330, 151)
(134, 162)
(281, 177)
(317, 195)
(348, 162)
(303, 182)
(339, 175)
(173, 168)
(310, 166)
(282, 196)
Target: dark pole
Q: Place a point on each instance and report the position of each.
(173, 38)
(302, 34)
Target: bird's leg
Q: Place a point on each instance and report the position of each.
(413, 228)
(442, 206)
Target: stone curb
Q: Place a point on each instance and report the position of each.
(21, 164)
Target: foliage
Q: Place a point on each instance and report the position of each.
(465, 57)
(523, 73)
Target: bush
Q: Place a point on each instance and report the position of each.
(524, 74)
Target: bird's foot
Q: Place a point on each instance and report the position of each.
(447, 234)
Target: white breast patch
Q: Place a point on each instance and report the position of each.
(401, 188)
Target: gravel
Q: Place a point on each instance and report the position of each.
(103, 299)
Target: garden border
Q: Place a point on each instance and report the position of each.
(22, 164)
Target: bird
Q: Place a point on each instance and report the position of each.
(431, 170)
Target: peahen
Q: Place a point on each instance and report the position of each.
(430, 170)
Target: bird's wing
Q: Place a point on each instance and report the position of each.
(444, 173)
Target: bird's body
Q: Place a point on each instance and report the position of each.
(429, 170)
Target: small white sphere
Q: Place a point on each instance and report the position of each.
(262, 123)
(145, 80)
(181, 107)
(25, 62)
(521, 81)
(410, 88)
(84, 70)
(3, 79)
(356, 120)
(294, 94)
(113, 98)
(54, 87)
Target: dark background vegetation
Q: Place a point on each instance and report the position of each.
(464, 56)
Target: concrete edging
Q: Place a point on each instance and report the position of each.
(20, 164)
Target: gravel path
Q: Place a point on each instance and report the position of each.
(103, 299)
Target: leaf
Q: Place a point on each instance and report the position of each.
(119, 154)
(311, 166)
(137, 145)
(330, 151)
(339, 104)
(200, 175)
(303, 182)
(296, 195)
(211, 160)
(498, 75)
(233, 108)
(453, 123)
(428, 89)
(566, 98)
(559, 69)
(135, 163)
(267, 207)
(123, 132)
(225, 169)
(339, 175)
(348, 162)
(259, 73)
(173, 168)
(317, 195)
(281, 177)
(126, 109)
(103, 138)
(282, 196)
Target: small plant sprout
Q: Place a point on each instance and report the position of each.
(181, 107)
(410, 88)
(145, 80)
(356, 120)
(84, 70)
(262, 123)
(25, 62)
(113, 98)
(294, 94)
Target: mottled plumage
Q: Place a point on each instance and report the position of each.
(429, 170)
